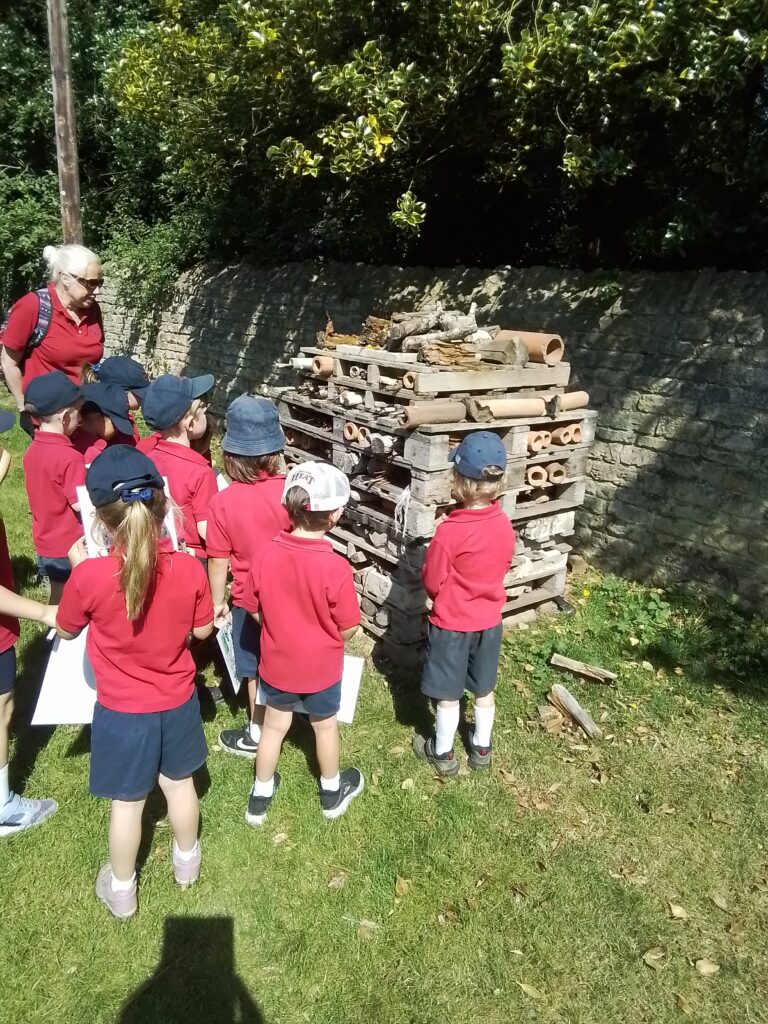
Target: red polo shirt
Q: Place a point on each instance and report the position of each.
(90, 446)
(145, 665)
(9, 626)
(241, 520)
(53, 469)
(306, 595)
(67, 346)
(467, 560)
(191, 481)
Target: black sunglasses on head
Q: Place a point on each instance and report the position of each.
(91, 283)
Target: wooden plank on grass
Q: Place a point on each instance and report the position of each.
(581, 668)
(567, 704)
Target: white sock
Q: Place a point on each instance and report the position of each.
(5, 792)
(255, 731)
(483, 725)
(118, 886)
(264, 788)
(330, 785)
(185, 856)
(446, 724)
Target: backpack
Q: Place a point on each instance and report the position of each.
(44, 317)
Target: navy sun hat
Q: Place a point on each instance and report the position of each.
(51, 392)
(7, 420)
(168, 398)
(124, 371)
(253, 427)
(121, 471)
(112, 400)
(477, 452)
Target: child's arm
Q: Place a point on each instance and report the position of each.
(206, 491)
(72, 478)
(203, 632)
(202, 624)
(347, 634)
(342, 600)
(24, 608)
(217, 577)
(202, 528)
(436, 569)
(72, 614)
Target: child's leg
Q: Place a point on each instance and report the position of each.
(327, 745)
(446, 724)
(6, 711)
(277, 722)
(125, 838)
(485, 712)
(183, 810)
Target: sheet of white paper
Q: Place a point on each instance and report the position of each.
(227, 648)
(68, 693)
(221, 481)
(350, 688)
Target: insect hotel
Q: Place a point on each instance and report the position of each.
(388, 405)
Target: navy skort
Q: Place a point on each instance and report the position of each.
(456, 662)
(129, 751)
(56, 569)
(246, 637)
(7, 670)
(322, 704)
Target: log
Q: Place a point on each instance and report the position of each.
(455, 331)
(505, 347)
(581, 668)
(484, 409)
(567, 705)
(448, 353)
(375, 330)
(432, 412)
(542, 348)
(412, 323)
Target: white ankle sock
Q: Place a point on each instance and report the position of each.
(330, 785)
(264, 788)
(483, 725)
(118, 886)
(185, 856)
(446, 724)
(5, 792)
(255, 731)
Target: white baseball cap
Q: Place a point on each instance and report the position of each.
(326, 486)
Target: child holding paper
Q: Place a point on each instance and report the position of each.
(463, 573)
(140, 602)
(305, 595)
(241, 520)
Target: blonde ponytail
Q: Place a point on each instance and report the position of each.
(136, 529)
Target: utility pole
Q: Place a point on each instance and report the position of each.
(64, 120)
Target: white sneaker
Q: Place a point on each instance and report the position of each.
(19, 814)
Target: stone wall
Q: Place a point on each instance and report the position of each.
(676, 364)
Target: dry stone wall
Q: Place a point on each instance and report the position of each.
(675, 364)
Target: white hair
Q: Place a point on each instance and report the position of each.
(68, 259)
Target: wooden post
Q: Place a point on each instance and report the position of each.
(64, 121)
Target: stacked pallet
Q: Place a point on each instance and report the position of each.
(379, 410)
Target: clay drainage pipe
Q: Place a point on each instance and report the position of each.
(535, 440)
(484, 409)
(536, 476)
(432, 412)
(576, 433)
(351, 433)
(409, 380)
(363, 437)
(562, 435)
(572, 400)
(322, 366)
(556, 472)
(542, 348)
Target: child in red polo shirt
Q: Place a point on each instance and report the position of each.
(467, 560)
(305, 595)
(104, 420)
(131, 376)
(174, 410)
(140, 603)
(241, 520)
(53, 470)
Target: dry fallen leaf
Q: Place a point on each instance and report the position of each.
(528, 668)
(508, 778)
(634, 641)
(279, 838)
(646, 666)
(366, 929)
(530, 991)
(683, 1005)
(397, 751)
(706, 967)
(720, 901)
(407, 785)
(338, 881)
(374, 778)
(159, 852)
(654, 957)
(402, 886)
(678, 671)
(666, 809)
(522, 689)
(677, 913)
(735, 929)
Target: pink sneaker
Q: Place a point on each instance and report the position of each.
(186, 872)
(120, 904)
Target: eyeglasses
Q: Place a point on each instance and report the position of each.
(91, 283)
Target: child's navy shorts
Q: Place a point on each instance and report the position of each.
(7, 670)
(456, 662)
(322, 704)
(56, 569)
(246, 635)
(129, 751)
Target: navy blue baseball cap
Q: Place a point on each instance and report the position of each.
(125, 372)
(168, 398)
(121, 471)
(51, 392)
(7, 420)
(253, 427)
(112, 400)
(478, 452)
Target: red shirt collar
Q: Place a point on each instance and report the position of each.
(179, 450)
(468, 515)
(289, 540)
(47, 437)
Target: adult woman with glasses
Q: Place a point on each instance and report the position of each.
(69, 321)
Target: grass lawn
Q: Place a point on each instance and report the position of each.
(531, 893)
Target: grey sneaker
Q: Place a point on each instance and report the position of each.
(444, 764)
(256, 811)
(186, 872)
(479, 757)
(238, 741)
(121, 905)
(20, 813)
(334, 804)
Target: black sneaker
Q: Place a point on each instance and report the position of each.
(259, 805)
(479, 757)
(335, 803)
(444, 764)
(238, 741)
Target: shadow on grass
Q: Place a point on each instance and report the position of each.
(30, 740)
(195, 981)
(24, 572)
(410, 706)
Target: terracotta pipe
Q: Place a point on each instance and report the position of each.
(542, 348)
(546, 438)
(351, 432)
(572, 400)
(409, 380)
(363, 436)
(556, 472)
(432, 412)
(561, 435)
(485, 409)
(576, 433)
(536, 476)
(322, 366)
(535, 440)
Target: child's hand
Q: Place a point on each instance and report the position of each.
(77, 553)
(221, 614)
(48, 615)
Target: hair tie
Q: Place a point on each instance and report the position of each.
(96, 367)
(129, 495)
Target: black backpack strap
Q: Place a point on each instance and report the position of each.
(44, 317)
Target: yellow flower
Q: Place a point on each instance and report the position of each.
(586, 592)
